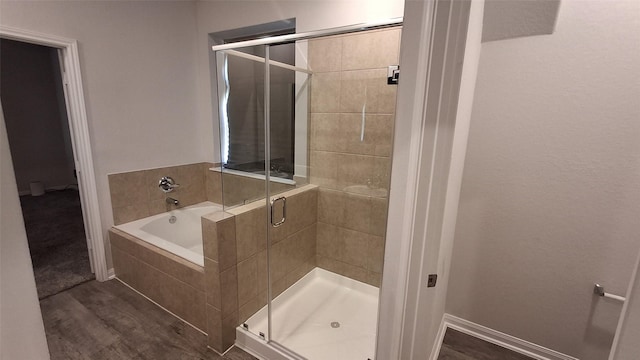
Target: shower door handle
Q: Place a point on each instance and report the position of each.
(284, 211)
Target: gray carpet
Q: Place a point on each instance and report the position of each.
(57, 241)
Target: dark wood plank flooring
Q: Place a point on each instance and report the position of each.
(459, 346)
(110, 321)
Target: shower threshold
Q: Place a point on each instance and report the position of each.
(323, 316)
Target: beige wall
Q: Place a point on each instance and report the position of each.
(550, 192)
(350, 72)
(21, 330)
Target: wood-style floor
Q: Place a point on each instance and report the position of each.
(105, 321)
(101, 321)
(460, 346)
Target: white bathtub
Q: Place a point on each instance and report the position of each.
(182, 238)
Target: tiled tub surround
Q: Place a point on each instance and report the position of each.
(350, 74)
(174, 283)
(135, 195)
(235, 251)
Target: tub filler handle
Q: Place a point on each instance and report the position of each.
(167, 184)
(284, 211)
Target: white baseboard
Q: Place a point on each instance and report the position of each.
(496, 337)
(111, 274)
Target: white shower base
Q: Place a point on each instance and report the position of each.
(302, 318)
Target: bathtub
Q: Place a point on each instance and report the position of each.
(182, 237)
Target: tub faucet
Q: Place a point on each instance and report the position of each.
(172, 201)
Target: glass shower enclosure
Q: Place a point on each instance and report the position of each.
(305, 131)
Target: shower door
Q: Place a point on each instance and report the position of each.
(326, 259)
(315, 119)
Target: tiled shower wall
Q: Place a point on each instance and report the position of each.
(352, 166)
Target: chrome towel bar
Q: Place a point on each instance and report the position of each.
(599, 290)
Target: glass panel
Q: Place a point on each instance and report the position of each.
(293, 243)
(241, 93)
(326, 259)
(241, 104)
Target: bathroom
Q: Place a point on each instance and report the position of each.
(179, 139)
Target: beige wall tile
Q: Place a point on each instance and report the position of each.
(251, 232)
(247, 280)
(278, 287)
(214, 329)
(125, 267)
(375, 253)
(328, 132)
(229, 324)
(357, 212)
(329, 242)
(251, 307)
(135, 195)
(172, 265)
(302, 210)
(355, 247)
(374, 279)
(229, 289)
(382, 171)
(325, 54)
(160, 259)
(279, 260)
(209, 239)
(325, 92)
(152, 178)
(378, 225)
(372, 49)
(355, 170)
(162, 288)
(378, 130)
(324, 168)
(122, 240)
(158, 207)
(362, 89)
(213, 185)
(226, 236)
(263, 270)
(212, 283)
(127, 189)
(331, 204)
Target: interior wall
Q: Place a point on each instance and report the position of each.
(21, 329)
(549, 198)
(138, 62)
(35, 115)
(215, 16)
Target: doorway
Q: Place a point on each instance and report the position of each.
(35, 112)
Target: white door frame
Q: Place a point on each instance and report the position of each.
(80, 140)
(432, 123)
